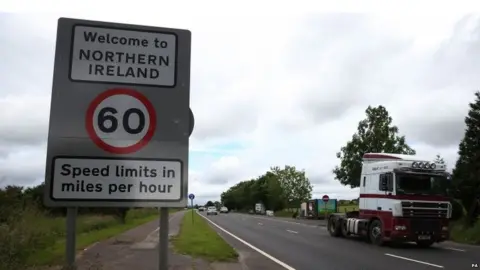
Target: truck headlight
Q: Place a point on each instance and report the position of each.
(400, 228)
(397, 209)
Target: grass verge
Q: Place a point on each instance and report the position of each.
(34, 240)
(198, 239)
(284, 213)
(467, 236)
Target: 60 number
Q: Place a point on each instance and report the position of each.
(104, 118)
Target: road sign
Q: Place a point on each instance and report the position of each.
(192, 123)
(191, 196)
(120, 116)
(325, 198)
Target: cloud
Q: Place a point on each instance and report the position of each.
(269, 90)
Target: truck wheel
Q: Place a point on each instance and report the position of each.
(344, 228)
(334, 227)
(425, 243)
(375, 232)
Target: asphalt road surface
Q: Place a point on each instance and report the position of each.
(302, 245)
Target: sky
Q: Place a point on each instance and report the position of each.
(267, 88)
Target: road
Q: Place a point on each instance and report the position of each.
(303, 245)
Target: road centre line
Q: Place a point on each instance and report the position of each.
(290, 231)
(412, 260)
(284, 265)
(286, 221)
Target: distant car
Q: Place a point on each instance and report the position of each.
(212, 210)
(201, 209)
(223, 209)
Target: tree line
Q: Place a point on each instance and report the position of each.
(277, 189)
(287, 187)
(15, 199)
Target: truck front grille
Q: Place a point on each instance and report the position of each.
(423, 226)
(425, 209)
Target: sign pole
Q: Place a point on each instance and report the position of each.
(70, 246)
(325, 199)
(192, 212)
(163, 241)
(191, 197)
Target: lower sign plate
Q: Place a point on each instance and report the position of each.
(116, 180)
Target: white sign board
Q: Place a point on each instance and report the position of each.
(120, 116)
(116, 179)
(102, 54)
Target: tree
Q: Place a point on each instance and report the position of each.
(466, 175)
(295, 185)
(209, 203)
(375, 134)
(439, 159)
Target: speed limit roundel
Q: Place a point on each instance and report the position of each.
(120, 121)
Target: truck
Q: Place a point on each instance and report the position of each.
(259, 209)
(402, 199)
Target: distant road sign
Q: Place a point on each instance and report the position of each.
(191, 196)
(120, 116)
(325, 198)
(121, 121)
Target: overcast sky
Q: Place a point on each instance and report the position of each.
(268, 90)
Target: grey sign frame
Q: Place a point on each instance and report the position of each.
(70, 99)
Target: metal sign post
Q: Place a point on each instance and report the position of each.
(191, 196)
(325, 199)
(70, 246)
(120, 120)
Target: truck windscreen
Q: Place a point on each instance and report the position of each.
(411, 183)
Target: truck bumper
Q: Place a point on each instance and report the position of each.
(409, 230)
(401, 236)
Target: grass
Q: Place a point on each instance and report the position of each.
(198, 239)
(471, 235)
(91, 229)
(284, 213)
(34, 239)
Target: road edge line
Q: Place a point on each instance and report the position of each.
(413, 260)
(284, 265)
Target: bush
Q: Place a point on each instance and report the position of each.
(466, 235)
(457, 210)
(21, 236)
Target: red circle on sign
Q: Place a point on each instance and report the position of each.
(325, 198)
(114, 149)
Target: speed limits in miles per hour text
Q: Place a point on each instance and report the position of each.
(116, 179)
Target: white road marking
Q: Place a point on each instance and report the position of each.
(412, 260)
(286, 221)
(261, 224)
(290, 231)
(284, 265)
(455, 249)
(158, 228)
